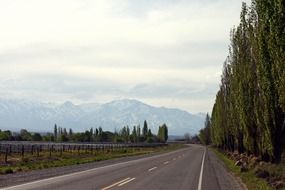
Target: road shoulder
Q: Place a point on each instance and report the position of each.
(225, 179)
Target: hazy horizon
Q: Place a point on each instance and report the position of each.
(163, 53)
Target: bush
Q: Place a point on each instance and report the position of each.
(8, 171)
(25, 160)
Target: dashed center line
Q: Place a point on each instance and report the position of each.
(114, 184)
(166, 162)
(121, 184)
(152, 169)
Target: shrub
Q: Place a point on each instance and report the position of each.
(8, 171)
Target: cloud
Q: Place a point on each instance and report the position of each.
(163, 52)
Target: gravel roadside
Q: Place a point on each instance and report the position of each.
(225, 179)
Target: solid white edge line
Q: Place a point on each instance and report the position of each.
(201, 172)
(82, 172)
(126, 182)
(152, 169)
(114, 184)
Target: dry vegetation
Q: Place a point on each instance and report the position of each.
(16, 162)
(254, 172)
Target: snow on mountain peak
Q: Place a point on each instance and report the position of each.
(42, 116)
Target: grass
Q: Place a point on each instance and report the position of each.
(248, 178)
(31, 162)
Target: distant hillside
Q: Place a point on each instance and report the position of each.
(37, 116)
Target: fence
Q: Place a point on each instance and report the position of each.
(35, 148)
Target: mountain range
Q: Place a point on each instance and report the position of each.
(41, 117)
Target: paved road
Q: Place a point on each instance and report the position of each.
(190, 168)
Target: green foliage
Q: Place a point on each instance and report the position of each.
(93, 135)
(134, 136)
(249, 111)
(36, 137)
(205, 134)
(8, 171)
(145, 129)
(25, 135)
(55, 132)
(5, 135)
(48, 137)
(162, 133)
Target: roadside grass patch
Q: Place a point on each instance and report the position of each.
(248, 177)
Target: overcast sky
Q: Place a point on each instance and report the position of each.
(162, 52)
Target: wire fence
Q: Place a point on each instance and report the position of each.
(22, 148)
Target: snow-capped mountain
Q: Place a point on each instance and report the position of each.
(37, 116)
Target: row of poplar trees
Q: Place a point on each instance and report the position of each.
(249, 111)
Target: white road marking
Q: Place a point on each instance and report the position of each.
(152, 169)
(166, 162)
(126, 182)
(201, 172)
(174, 159)
(114, 184)
(43, 182)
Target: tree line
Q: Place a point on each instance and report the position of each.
(249, 110)
(60, 134)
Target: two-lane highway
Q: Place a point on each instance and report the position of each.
(181, 169)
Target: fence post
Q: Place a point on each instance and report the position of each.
(23, 151)
(50, 151)
(32, 150)
(6, 155)
(38, 151)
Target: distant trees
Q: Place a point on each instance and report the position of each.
(25, 135)
(124, 135)
(138, 133)
(205, 133)
(55, 132)
(162, 133)
(6, 135)
(150, 137)
(36, 137)
(187, 137)
(70, 133)
(134, 136)
(145, 129)
(48, 137)
(249, 111)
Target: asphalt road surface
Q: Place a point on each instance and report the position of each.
(194, 168)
